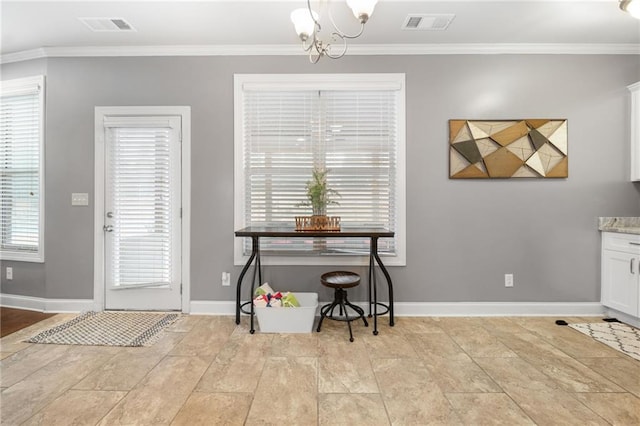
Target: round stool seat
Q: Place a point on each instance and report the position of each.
(340, 279)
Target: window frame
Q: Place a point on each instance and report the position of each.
(15, 86)
(374, 81)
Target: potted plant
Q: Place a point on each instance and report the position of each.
(319, 195)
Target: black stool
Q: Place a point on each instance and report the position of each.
(339, 280)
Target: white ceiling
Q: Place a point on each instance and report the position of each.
(265, 25)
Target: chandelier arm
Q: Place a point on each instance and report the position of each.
(342, 34)
(344, 47)
(306, 47)
(314, 59)
(315, 21)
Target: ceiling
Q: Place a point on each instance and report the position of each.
(264, 26)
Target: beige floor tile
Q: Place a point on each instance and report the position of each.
(476, 341)
(332, 329)
(4, 355)
(450, 366)
(436, 345)
(616, 408)
(537, 394)
(344, 367)
(573, 376)
(460, 376)
(77, 408)
(166, 343)
(23, 363)
(410, 393)
(351, 409)
(207, 338)
(389, 346)
(513, 374)
(398, 376)
(501, 326)
(530, 345)
(482, 409)
(185, 323)
(287, 392)
(207, 409)
(238, 366)
(555, 408)
(25, 398)
(570, 341)
(295, 345)
(159, 397)
(449, 324)
(405, 325)
(625, 372)
(122, 372)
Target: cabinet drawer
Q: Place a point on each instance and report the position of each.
(629, 243)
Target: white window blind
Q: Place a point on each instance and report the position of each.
(21, 168)
(352, 133)
(141, 198)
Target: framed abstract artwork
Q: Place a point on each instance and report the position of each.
(527, 148)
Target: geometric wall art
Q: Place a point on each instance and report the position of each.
(529, 148)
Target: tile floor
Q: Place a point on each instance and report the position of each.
(205, 370)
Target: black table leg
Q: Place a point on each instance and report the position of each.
(258, 269)
(255, 255)
(241, 277)
(373, 282)
(389, 283)
(373, 259)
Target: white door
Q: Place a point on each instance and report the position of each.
(142, 224)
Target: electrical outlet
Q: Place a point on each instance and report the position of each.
(508, 280)
(9, 273)
(226, 279)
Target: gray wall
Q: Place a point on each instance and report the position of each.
(463, 235)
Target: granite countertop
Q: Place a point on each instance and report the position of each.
(625, 225)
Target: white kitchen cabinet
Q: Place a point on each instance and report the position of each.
(620, 284)
(635, 131)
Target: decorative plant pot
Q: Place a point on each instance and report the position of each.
(317, 223)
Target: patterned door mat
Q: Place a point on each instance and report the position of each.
(108, 329)
(621, 337)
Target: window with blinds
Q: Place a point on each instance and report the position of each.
(349, 129)
(21, 169)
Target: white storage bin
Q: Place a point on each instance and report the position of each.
(289, 320)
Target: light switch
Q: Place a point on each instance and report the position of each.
(79, 199)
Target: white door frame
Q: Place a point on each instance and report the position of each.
(98, 198)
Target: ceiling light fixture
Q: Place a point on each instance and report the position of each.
(308, 29)
(632, 7)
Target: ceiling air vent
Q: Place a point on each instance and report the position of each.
(428, 22)
(107, 24)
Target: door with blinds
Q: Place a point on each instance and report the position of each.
(142, 226)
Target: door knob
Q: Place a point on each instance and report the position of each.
(107, 228)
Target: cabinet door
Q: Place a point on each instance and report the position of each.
(620, 281)
(635, 131)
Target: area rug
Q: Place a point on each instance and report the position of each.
(108, 329)
(621, 337)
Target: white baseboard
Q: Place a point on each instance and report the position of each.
(621, 316)
(467, 309)
(402, 309)
(209, 307)
(46, 305)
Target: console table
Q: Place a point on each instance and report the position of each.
(256, 232)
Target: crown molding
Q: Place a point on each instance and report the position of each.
(288, 49)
